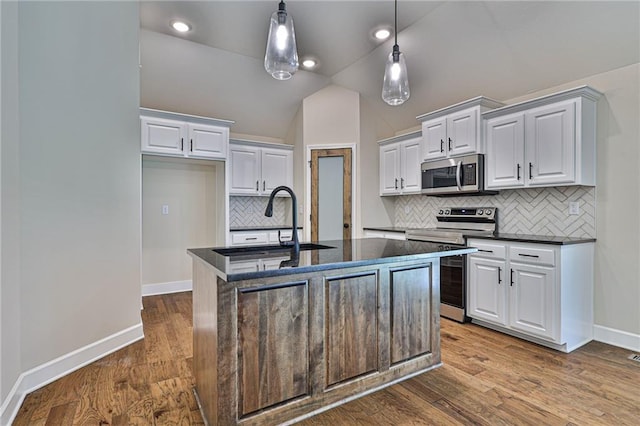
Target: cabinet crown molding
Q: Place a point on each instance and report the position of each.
(260, 144)
(400, 138)
(584, 92)
(481, 101)
(156, 113)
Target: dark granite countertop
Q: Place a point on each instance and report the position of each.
(385, 228)
(537, 239)
(261, 228)
(342, 254)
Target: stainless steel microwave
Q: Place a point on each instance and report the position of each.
(454, 176)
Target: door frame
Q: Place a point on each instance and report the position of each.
(355, 221)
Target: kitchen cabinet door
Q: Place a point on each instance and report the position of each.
(245, 170)
(277, 169)
(462, 132)
(434, 135)
(162, 136)
(390, 169)
(533, 305)
(505, 152)
(208, 141)
(410, 173)
(487, 290)
(551, 144)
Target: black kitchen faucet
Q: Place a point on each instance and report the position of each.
(294, 243)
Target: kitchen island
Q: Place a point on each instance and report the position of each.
(279, 337)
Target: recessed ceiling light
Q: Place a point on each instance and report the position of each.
(309, 63)
(382, 34)
(181, 26)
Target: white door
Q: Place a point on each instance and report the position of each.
(277, 169)
(532, 301)
(551, 144)
(162, 136)
(208, 141)
(390, 169)
(434, 133)
(487, 290)
(244, 163)
(462, 132)
(410, 173)
(505, 152)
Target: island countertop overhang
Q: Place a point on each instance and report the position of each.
(343, 253)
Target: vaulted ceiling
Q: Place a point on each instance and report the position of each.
(455, 50)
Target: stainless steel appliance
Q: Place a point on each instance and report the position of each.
(454, 176)
(453, 227)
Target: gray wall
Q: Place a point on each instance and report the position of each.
(72, 241)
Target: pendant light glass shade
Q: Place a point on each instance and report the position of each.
(281, 57)
(395, 88)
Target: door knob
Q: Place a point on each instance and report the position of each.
(346, 226)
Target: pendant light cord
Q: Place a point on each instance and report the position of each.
(396, 21)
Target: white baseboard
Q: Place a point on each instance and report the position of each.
(616, 337)
(46, 373)
(166, 288)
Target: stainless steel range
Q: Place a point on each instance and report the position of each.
(454, 226)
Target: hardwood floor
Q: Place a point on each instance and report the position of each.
(488, 379)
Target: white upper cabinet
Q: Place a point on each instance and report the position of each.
(257, 169)
(548, 141)
(400, 165)
(180, 135)
(454, 130)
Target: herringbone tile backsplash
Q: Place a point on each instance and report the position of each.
(540, 211)
(249, 211)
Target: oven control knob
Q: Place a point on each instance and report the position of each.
(446, 212)
(480, 212)
(488, 212)
(441, 247)
(441, 211)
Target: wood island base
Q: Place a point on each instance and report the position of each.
(279, 349)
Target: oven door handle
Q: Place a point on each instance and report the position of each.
(458, 178)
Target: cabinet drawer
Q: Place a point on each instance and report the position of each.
(534, 255)
(249, 238)
(489, 249)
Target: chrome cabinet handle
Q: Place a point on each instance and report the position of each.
(499, 272)
(518, 171)
(458, 170)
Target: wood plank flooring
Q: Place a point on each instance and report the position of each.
(488, 379)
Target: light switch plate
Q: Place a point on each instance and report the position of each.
(165, 209)
(574, 207)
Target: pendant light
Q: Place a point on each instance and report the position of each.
(395, 89)
(281, 57)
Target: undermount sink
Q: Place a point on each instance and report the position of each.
(251, 250)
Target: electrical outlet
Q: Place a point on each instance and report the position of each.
(574, 207)
(165, 209)
(406, 209)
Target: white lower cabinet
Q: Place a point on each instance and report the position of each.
(390, 235)
(247, 238)
(540, 292)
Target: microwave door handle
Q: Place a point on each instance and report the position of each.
(458, 170)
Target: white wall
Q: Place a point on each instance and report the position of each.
(331, 116)
(190, 190)
(77, 245)
(10, 365)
